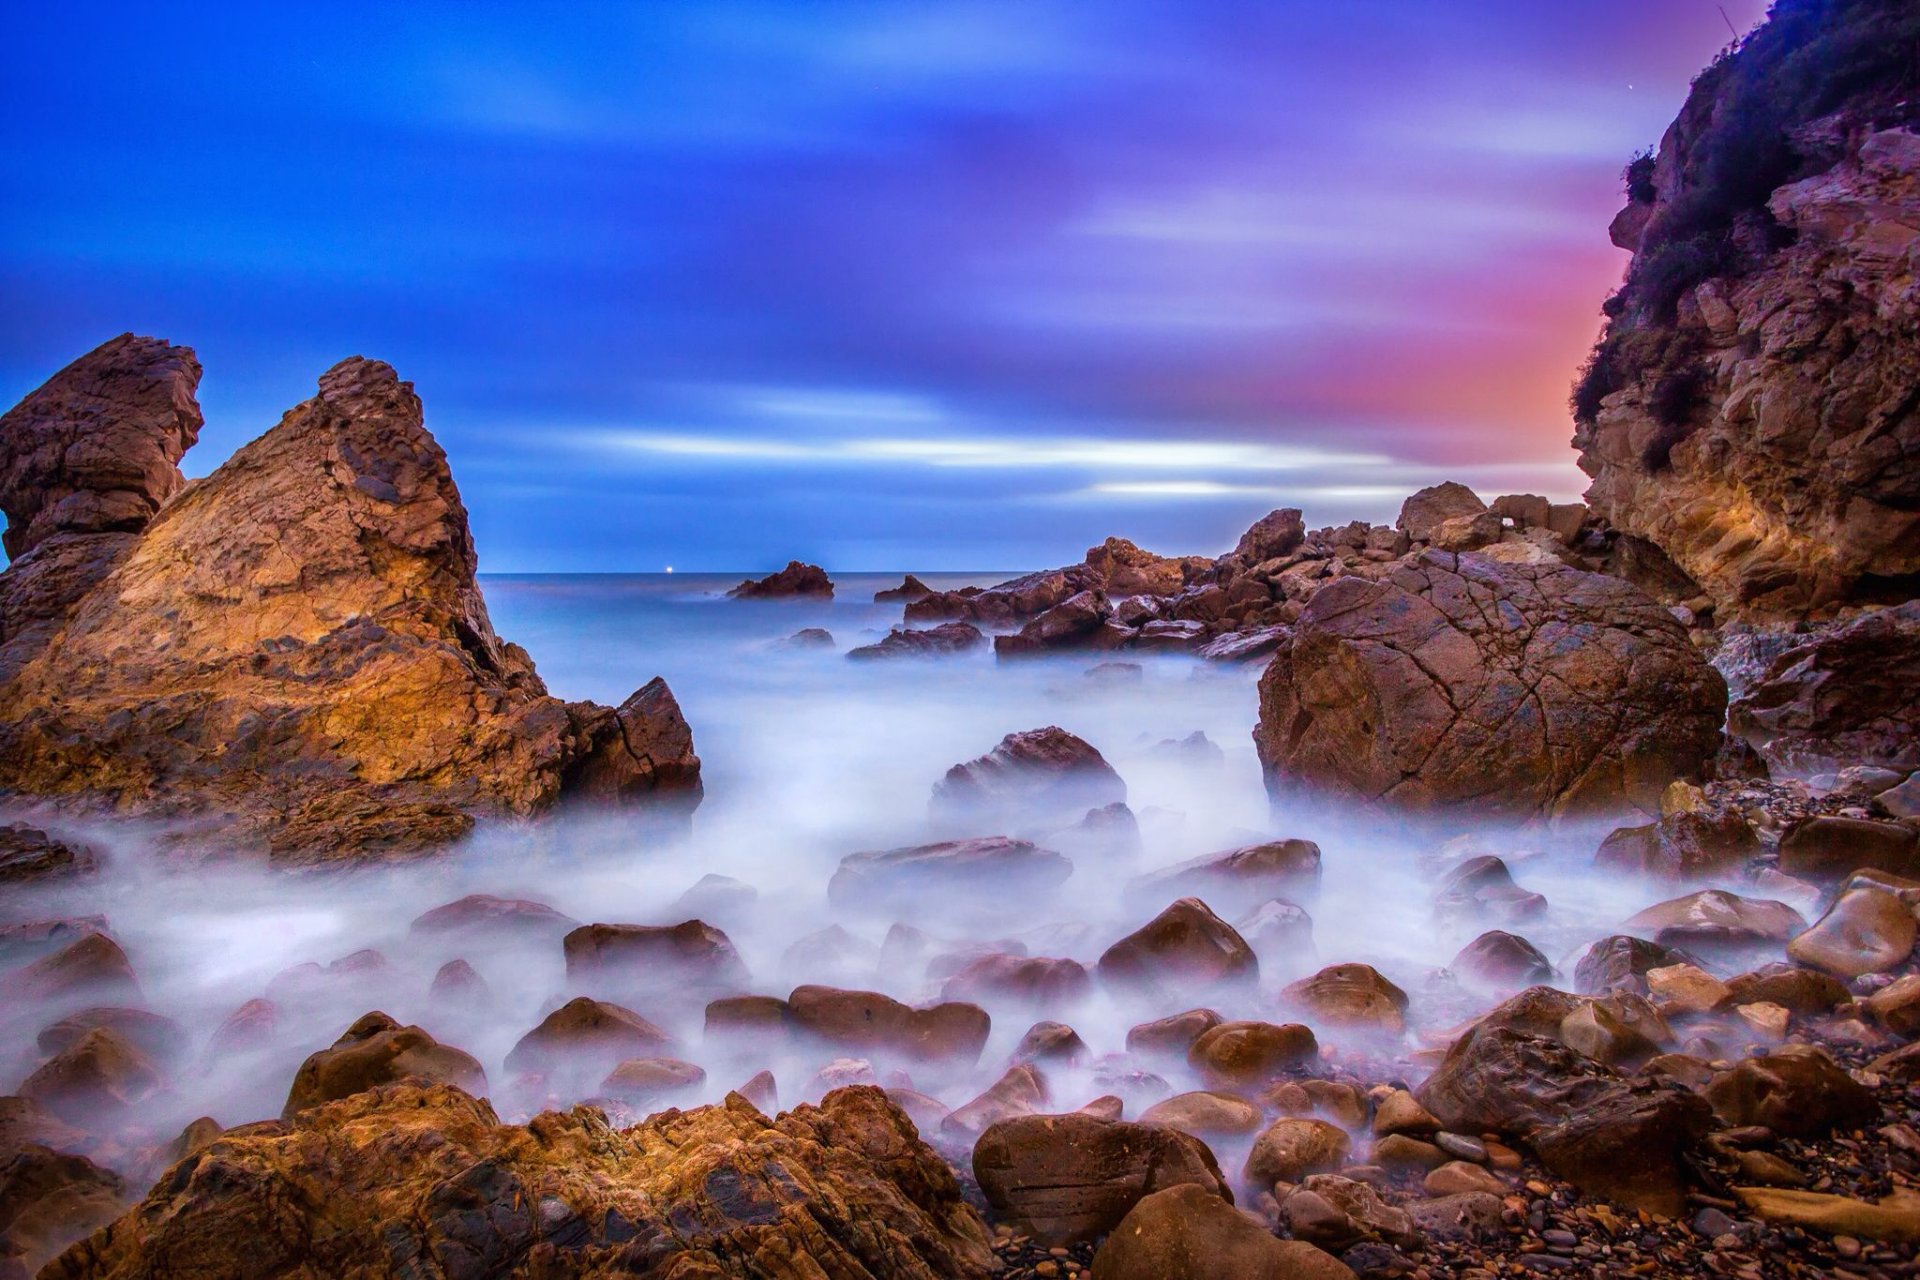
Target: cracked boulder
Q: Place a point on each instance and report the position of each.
(1514, 690)
(295, 648)
(424, 1180)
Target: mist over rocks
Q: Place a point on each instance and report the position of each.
(796, 581)
(294, 648)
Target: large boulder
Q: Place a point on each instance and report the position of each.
(1188, 1233)
(1848, 695)
(1424, 512)
(1238, 879)
(298, 643)
(29, 855)
(414, 1180)
(1184, 949)
(796, 580)
(950, 1033)
(1456, 682)
(691, 957)
(374, 1051)
(48, 1199)
(1276, 534)
(1068, 1179)
(1033, 776)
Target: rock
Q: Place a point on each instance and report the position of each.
(869, 1023)
(1246, 1055)
(1801, 991)
(1338, 1213)
(31, 939)
(413, 1180)
(649, 1080)
(1715, 922)
(1188, 1233)
(1289, 1150)
(1400, 1112)
(1481, 888)
(253, 1026)
(298, 652)
(1082, 621)
(1245, 646)
(1689, 989)
(1051, 1043)
(1458, 1178)
(1526, 510)
(1606, 1032)
(1902, 801)
(1474, 1217)
(458, 988)
(29, 855)
(1893, 1219)
(1685, 847)
(715, 895)
(808, 638)
(1020, 1092)
(1864, 931)
(1466, 533)
(910, 588)
(94, 1080)
(93, 967)
(987, 867)
(691, 957)
(1033, 775)
(1184, 948)
(1172, 1035)
(755, 1019)
(931, 642)
(1278, 533)
(1847, 695)
(1621, 963)
(796, 580)
(1066, 1180)
(1825, 847)
(374, 1051)
(482, 915)
(1034, 982)
(1797, 1091)
(48, 1199)
(1350, 996)
(1584, 697)
(1769, 1021)
(1238, 879)
(1425, 510)
(1619, 1139)
(1896, 1006)
(589, 1036)
(1502, 961)
(1280, 930)
(1205, 1114)
(156, 1036)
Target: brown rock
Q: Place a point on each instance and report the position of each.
(1051, 1042)
(48, 1199)
(1184, 948)
(1685, 847)
(408, 1179)
(691, 956)
(484, 915)
(910, 588)
(591, 1032)
(93, 1080)
(29, 855)
(298, 644)
(1289, 1150)
(795, 580)
(1586, 695)
(1350, 996)
(156, 1036)
(1825, 847)
(1425, 510)
(1797, 1091)
(1246, 1055)
(867, 1022)
(648, 1080)
(942, 641)
(1035, 982)
(1020, 1092)
(1401, 1112)
(756, 1018)
(1482, 888)
(1849, 695)
(1035, 774)
(1458, 1178)
(1864, 931)
(1236, 880)
(1715, 922)
(1204, 1114)
(1893, 1219)
(1621, 963)
(1065, 1180)
(1337, 1213)
(1801, 991)
(919, 873)
(374, 1051)
(94, 966)
(1188, 1233)
(1502, 961)
(1172, 1035)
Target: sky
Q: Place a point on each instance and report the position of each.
(909, 285)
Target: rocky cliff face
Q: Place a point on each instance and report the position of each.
(1754, 406)
(298, 640)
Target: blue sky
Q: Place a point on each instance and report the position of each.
(904, 285)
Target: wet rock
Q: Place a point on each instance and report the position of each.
(1205, 1114)
(1069, 1179)
(1458, 1178)
(591, 1036)
(1400, 1112)
(1848, 695)
(1825, 847)
(1350, 996)
(1020, 1092)
(1081, 621)
(1337, 1213)
(94, 1080)
(1246, 1055)
(457, 987)
(942, 641)
(1893, 1219)
(48, 1199)
(156, 1036)
(1502, 961)
(482, 915)
(809, 638)
(1896, 1006)
(1864, 931)
(1611, 1137)
(1797, 1091)
(374, 1051)
(1688, 989)
(910, 588)
(867, 1022)
(1051, 1043)
(1470, 1218)
(1236, 880)
(1033, 982)
(754, 1019)
(651, 1080)
(691, 956)
(1028, 776)
(353, 700)
(1245, 646)
(1288, 1150)
(1188, 1233)
(1482, 888)
(1406, 693)
(406, 1180)
(1184, 948)
(1713, 922)
(1801, 991)
(93, 967)
(253, 1026)
(796, 580)
(1172, 1035)
(905, 878)
(1621, 963)
(31, 939)
(29, 855)
(1683, 847)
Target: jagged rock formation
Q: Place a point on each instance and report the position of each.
(296, 642)
(423, 1180)
(1531, 690)
(1849, 695)
(795, 580)
(1753, 408)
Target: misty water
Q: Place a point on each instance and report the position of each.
(808, 757)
